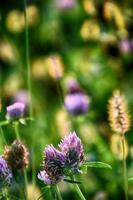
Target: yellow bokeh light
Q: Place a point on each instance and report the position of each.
(55, 66)
(39, 68)
(89, 7)
(15, 21)
(90, 30)
(116, 146)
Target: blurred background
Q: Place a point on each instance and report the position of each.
(84, 42)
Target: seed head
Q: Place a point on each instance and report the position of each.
(16, 155)
(118, 113)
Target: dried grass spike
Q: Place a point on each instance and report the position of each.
(118, 113)
(16, 155)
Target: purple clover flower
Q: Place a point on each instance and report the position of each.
(5, 173)
(65, 4)
(15, 111)
(126, 46)
(21, 96)
(72, 149)
(52, 166)
(73, 87)
(77, 103)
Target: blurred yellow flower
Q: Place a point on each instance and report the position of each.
(12, 84)
(38, 66)
(33, 192)
(33, 15)
(55, 66)
(89, 7)
(6, 51)
(90, 30)
(112, 11)
(116, 146)
(63, 123)
(15, 21)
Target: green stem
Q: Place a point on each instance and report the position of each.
(58, 192)
(124, 169)
(33, 166)
(3, 137)
(15, 125)
(29, 81)
(26, 183)
(77, 190)
(28, 59)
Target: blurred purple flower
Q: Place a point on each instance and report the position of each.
(52, 166)
(125, 46)
(21, 96)
(72, 149)
(65, 4)
(5, 173)
(15, 111)
(77, 103)
(73, 87)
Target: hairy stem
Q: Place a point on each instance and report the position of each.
(77, 190)
(2, 135)
(58, 192)
(124, 169)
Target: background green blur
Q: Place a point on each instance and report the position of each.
(90, 41)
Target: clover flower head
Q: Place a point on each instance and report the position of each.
(21, 96)
(16, 155)
(65, 4)
(72, 149)
(5, 173)
(15, 111)
(77, 103)
(53, 165)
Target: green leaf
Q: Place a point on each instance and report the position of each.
(28, 118)
(45, 189)
(72, 181)
(97, 165)
(83, 169)
(22, 121)
(130, 180)
(4, 123)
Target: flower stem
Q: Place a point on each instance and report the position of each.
(15, 125)
(2, 135)
(26, 183)
(77, 190)
(28, 59)
(29, 83)
(58, 192)
(124, 169)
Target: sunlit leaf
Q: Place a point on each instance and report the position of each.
(4, 123)
(83, 169)
(22, 121)
(97, 165)
(72, 181)
(130, 180)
